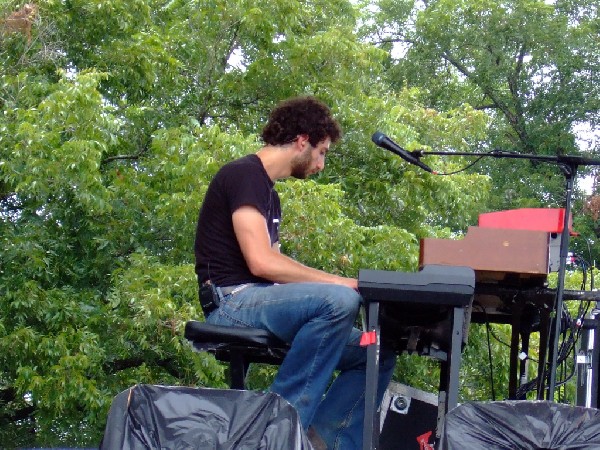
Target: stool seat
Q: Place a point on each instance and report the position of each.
(239, 346)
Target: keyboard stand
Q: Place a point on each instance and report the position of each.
(450, 362)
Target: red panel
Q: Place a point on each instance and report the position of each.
(540, 219)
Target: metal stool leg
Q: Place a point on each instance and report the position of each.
(238, 368)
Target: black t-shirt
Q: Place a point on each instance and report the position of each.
(218, 255)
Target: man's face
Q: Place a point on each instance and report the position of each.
(311, 160)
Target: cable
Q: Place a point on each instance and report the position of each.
(490, 360)
(570, 332)
(464, 168)
(571, 336)
(496, 153)
(487, 321)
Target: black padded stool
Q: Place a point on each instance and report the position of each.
(239, 346)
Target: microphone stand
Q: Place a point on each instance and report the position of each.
(568, 164)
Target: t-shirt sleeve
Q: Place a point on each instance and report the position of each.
(248, 189)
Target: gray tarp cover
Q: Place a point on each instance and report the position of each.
(521, 425)
(162, 417)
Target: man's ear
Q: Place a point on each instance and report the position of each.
(302, 142)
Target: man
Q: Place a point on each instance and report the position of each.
(237, 249)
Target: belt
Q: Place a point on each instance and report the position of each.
(227, 290)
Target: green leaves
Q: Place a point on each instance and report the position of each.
(521, 61)
(114, 121)
(59, 144)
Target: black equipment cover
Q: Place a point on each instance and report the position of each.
(521, 425)
(175, 417)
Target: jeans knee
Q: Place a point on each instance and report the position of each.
(343, 301)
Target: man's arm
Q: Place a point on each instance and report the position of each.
(266, 261)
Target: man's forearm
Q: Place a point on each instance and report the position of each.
(280, 268)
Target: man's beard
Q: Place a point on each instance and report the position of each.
(301, 164)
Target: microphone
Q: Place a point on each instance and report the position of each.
(381, 140)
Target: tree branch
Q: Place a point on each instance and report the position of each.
(137, 156)
(394, 40)
(118, 157)
(9, 394)
(203, 113)
(168, 364)
(514, 120)
(519, 122)
(488, 106)
(19, 414)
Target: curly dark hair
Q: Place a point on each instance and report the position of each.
(301, 115)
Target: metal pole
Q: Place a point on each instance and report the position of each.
(570, 171)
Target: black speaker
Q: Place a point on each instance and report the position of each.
(409, 418)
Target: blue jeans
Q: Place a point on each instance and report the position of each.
(317, 319)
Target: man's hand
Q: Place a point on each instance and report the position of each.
(350, 282)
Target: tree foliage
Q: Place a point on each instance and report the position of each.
(116, 115)
(532, 65)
